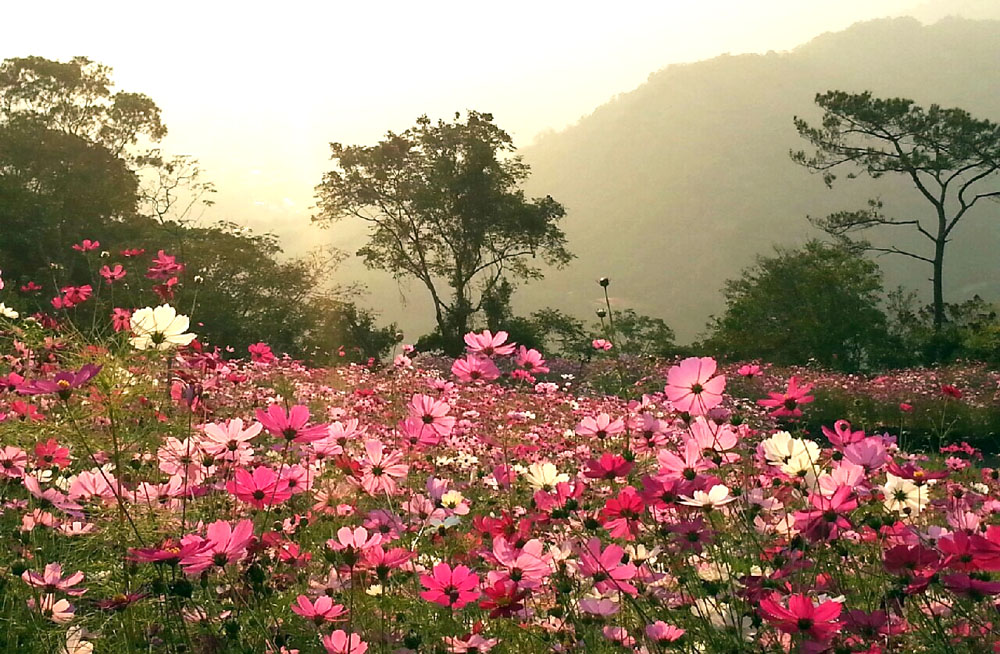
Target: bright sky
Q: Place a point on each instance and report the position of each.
(257, 90)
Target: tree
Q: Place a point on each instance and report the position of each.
(77, 161)
(444, 207)
(70, 152)
(950, 157)
(821, 302)
(639, 335)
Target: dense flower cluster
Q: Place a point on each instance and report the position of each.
(158, 497)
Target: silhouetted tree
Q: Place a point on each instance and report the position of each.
(950, 157)
(444, 207)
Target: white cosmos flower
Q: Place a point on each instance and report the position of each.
(7, 312)
(716, 496)
(544, 476)
(159, 329)
(75, 643)
(903, 496)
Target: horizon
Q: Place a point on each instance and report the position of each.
(259, 119)
(267, 183)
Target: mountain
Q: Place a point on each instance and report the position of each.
(677, 185)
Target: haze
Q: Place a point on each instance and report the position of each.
(257, 91)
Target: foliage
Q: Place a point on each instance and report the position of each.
(77, 163)
(971, 330)
(951, 158)
(444, 207)
(820, 302)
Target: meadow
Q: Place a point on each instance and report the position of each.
(158, 494)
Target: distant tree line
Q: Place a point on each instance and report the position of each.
(445, 207)
(78, 161)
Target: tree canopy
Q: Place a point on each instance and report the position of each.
(78, 162)
(820, 302)
(444, 206)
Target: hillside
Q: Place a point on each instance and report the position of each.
(675, 186)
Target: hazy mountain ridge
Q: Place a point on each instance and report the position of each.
(675, 186)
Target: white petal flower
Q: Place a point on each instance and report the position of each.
(716, 496)
(159, 329)
(544, 476)
(7, 312)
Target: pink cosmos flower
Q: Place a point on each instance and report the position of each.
(112, 275)
(691, 387)
(820, 622)
(121, 320)
(475, 368)
(13, 461)
(451, 588)
(260, 488)
(841, 435)
(748, 370)
(228, 438)
(488, 344)
(600, 426)
(663, 633)
(164, 266)
(383, 561)
(530, 361)
(609, 466)
(291, 425)
(358, 539)
(380, 470)
(62, 384)
(52, 580)
(471, 643)
(601, 344)
(339, 642)
(321, 611)
(685, 465)
(59, 611)
(605, 567)
(827, 517)
(433, 413)
(180, 457)
(224, 544)
(87, 245)
(50, 453)
(526, 567)
(786, 405)
(622, 514)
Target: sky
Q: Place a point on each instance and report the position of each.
(256, 91)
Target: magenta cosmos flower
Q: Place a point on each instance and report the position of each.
(452, 588)
(261, 488)
(291, 425)
(802, 616)
(691, 387)
(320, 611)
(62, 384)
(786, 405)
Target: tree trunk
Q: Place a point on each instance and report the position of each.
(938, 285)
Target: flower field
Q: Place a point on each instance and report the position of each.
(161, 495)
